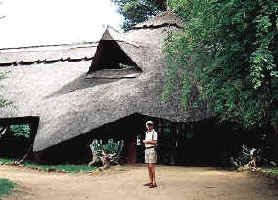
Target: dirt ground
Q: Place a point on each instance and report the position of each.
(190, 183)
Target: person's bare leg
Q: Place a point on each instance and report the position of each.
(153, 174)
(150, 172)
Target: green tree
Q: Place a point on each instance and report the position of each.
(136, 11)
(228, 49)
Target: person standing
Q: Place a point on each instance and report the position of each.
(150, 152)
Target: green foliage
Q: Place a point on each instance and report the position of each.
(273, 171)
(182, 7)
(135, 11)
(110, 147)
(229, 51)
(20, 130)
(6, 161)
(60, 168)
(6, 186)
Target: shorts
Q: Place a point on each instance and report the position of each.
(150, 156)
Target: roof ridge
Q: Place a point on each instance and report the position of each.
(151, 26)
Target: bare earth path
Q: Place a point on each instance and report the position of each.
(186, 183)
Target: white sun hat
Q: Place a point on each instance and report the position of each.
(149, 123)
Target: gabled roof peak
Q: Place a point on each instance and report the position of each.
(112, 34)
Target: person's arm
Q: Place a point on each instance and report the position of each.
(153, 141)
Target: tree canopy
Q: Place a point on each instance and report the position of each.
(136, 11)
(229, 50)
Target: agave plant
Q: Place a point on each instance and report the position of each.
(107, 153)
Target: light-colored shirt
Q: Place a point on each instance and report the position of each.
(150, 135)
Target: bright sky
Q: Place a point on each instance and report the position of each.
(35, 22)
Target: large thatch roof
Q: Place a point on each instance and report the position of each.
(47, 54)
(70, 101)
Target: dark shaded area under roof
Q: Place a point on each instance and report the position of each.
(198, 143)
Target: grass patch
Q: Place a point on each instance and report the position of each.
(6, 187)
(64, 168)
(275, 171)
(6, 161)
(60, 168)
(272, 170)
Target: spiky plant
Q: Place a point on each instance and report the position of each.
(107, 153)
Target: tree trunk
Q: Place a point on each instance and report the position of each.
(106, 162)
(95, 160)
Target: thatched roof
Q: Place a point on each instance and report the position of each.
(70, 102)
(162, 19)
(59, 53)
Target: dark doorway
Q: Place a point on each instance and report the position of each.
(17, 137)
(15, 141)
(131, 151)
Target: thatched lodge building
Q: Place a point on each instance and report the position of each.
(67, 104)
